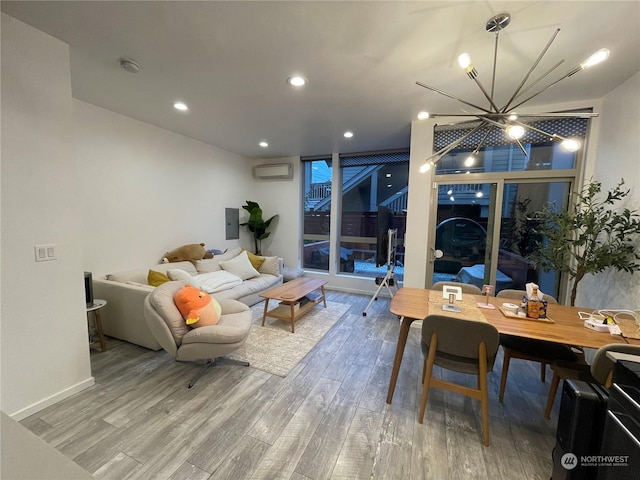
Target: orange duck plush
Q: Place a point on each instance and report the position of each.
(197, 307)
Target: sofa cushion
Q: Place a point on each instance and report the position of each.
(217, 281)
(248, 287)
(136, 276)
(256, 260)
(155, 279)
(140, 275)
(213, 264)
(270, 265)
(240, 266)
(182, 276)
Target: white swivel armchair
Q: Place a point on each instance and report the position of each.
(206, 344)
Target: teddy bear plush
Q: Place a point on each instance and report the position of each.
(190, 252)
(197, 308)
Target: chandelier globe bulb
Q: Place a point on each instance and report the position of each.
(515, 132)
(470, 160)
(570, 144)
(596, 58)
(464, 60)
(426, 166)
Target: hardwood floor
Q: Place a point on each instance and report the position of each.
(326, 420)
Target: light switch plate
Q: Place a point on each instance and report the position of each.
(45, 253)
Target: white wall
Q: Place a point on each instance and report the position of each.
(281, 197)
(45, 354)
(146, 190)
(617, 157)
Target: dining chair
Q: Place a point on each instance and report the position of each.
(530, 349)
(465, 346)
(465, 287)
(600, 370)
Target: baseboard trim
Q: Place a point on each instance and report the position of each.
(42, 404)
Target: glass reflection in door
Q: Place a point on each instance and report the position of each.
(464, 218)
(517, 233)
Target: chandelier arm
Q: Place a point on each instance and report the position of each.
(567, 75)
(493, 105)
(495, 63)
(493, 122)
(443, 151)
(542, 77)
(433, 89)
(522, 148)
(526, 77)
(474, 115)
(484, 139)
(506, 115)
(561, 115)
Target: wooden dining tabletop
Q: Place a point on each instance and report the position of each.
(412, 304)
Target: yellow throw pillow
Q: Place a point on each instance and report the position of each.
(155, 279)
(255, 260)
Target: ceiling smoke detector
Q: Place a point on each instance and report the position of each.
(129, 65)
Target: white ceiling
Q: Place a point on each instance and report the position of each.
(229, 62)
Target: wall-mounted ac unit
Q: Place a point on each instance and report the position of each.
(277, 171)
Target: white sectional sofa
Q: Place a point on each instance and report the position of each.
(125, 291)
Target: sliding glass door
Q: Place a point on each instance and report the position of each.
(485, 232)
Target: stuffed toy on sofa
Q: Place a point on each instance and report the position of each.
(197, 308)
(190, 253)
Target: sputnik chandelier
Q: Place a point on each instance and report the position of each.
(505, 117)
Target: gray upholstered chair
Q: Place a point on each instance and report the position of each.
(206, 344)
(466, 287)
(531, 349)
(465, 346)
(600, 370)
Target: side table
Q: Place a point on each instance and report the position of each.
(95, 308)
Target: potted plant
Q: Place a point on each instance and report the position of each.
(590, 236)
(256, 224)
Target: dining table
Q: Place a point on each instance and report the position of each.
(562, 325)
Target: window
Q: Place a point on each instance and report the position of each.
(316, 174)
(498, 155)
(373, 198)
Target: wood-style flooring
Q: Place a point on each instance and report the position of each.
(326, 420)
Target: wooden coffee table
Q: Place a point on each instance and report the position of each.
(291, 293)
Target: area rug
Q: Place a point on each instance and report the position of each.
(274, 349)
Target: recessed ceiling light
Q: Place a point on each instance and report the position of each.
(297, 81)
(181, 106)
(423, 115)
(129, 65)
(388, 175)
(263, 144)
(348, 134)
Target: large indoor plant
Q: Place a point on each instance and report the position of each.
(590, 236)
(256, 224)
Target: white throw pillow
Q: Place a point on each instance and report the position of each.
(182, 276)
(271, 265)
(240, 266)
(208, 265)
